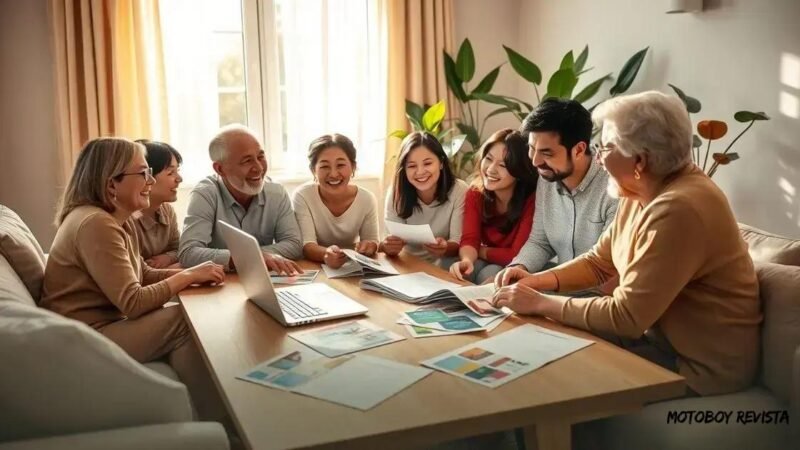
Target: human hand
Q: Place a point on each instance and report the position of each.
(438, 249)
(367, 248)
(334, 257)
(281, 265)
(519, 298)
(510, 275)
(461, 268)
(160, 261)
(207, 272)
(392, 245)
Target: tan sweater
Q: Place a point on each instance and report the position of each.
(160, 235)
(95, 273)
(685, 271)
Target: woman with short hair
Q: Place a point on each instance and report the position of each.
(157, 225)
(332, 212)
(95, 273)
(688, 294)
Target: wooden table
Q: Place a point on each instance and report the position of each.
(234, 335)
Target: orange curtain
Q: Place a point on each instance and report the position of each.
(109, 72)
(417, 33)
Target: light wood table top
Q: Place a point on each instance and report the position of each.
(234, 335)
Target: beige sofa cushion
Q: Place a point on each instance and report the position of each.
(60, 376)
(779, 287)
(11, 287)
(767, 247)
(22, 250)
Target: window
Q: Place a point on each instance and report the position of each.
(289, 69)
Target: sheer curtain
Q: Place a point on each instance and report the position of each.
(334, 77)
(191, 78)
(109, 76)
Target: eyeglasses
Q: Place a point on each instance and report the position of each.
(598, 149)
(146, 174)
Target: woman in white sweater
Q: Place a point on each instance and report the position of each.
(425, 191)
(333, 213)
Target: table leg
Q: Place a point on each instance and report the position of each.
(549, 435)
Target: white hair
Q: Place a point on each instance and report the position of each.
(218, 147)
(652, 124)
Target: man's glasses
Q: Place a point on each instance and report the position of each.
(146, 174)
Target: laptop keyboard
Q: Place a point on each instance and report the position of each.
(296, 308)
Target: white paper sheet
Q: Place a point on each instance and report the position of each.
(417, 331)
(369, 263)
(497, 360)
(348, 269)
(364, 381)
(307, 277)
(348, 337)
(357, 381)
(410, 285)
(412, 234)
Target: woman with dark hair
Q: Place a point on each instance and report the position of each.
(332, 212)
(425, 191)
(498, 210)
(157, 225)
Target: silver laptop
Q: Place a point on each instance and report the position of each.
(291, 306)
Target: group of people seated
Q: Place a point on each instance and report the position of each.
(626, 238)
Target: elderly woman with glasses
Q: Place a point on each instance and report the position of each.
(688, 296)
(95, 273)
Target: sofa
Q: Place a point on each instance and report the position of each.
(64, 385)
(777, 390)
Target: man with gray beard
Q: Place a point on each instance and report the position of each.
(239, 195)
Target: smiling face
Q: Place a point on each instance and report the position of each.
(423, 170)
(167, 182)
(244, 165)
(132, 187)
(552, 160)
(494, 173)
(333, 170)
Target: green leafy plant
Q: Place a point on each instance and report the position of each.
(561, 84)
(712, 130)
(430, 119)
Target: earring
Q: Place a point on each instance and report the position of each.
(636, 174)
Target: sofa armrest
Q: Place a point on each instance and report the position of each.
(182, 435)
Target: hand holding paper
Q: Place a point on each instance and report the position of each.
(412, 234)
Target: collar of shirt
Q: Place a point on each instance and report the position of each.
(148, 222)
(591, 174)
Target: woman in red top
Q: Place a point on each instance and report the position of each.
(498, 209)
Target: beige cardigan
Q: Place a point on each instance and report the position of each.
(95, 273)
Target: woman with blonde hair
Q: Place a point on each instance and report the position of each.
(688, 295)
(95, 273)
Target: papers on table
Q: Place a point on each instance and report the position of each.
(451, 317)
(421, 288)
(342, 338)
(360, 265)
(307, 277)
(433, 330)
(497, 360)
(412, 234)
(357, 381)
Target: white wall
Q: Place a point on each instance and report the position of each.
(731, 56)
(28, 155)
(490, 24)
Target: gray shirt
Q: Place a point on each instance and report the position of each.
(269, 219)
(445, 219)
(567, 224)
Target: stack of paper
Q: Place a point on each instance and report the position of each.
(443, 319)
(412, 234)
(360, 381)
(497, 360)
(421, 288)
(359, 265)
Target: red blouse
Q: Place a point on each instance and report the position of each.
(502, 248)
